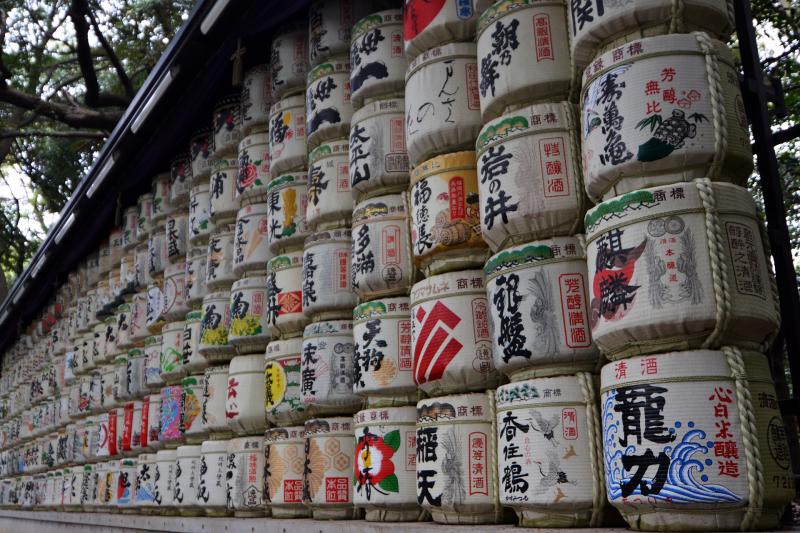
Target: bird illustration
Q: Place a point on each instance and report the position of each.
(554, 476)
(546, 427)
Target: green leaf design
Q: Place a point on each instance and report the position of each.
(258, 182)
(652, 121)
(390, 483)
(392, 440)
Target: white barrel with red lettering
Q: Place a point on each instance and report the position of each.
(253, 176)
(175, 305)
(249, 308)
(456, 459)
(385, 464)
(377, 57)
(523, 53)
(245, 396)
(679, 267)
(288, 62)
(382, 259)
(287, 135)
(286, 218)
(383, 363)
(201, 147)
(227, 125)
(695, 440)
(328, 475)
(596, 27)
(245, 477)
(283, 401)
(250, 250)
(378, 156)
(450, 337)
(285, 316)
(442, 101)
(256, 99)
(328, 107)
(327, 283)
(429, 24)
(529, 171)
(329, 201)
(180, 169)
(549, 451)
(326, 368)
(539, 309)
(285, 458)
(662, 110)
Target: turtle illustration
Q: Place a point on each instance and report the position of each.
(670, 135)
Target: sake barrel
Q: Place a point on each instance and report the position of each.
(201, 147)
(193, 361)
(659, 283)
(329, 201)
(686, 121)
(284, 459)
(328, 107)
(287, 135)
(282, 399)
(112, 480)
(161, 195)
(132, 428)
(445, 217)
(549, 448)
(381, 257)
(212, 411)
(327, 283)
(244, 402)
(327, 368)
(456, 459)
(172, 352)
(108, 373)
(200, 225)
(256, 98)
(382, 363)
(509, 32)
(126, 484)
(164, 496)
(195, 278)
(175, 306)
(151, 424)
(211, 490)
(135, 373)
(286, 217)
(253, 176)
(144, 226)
(378, 159)
(141, 266)
(152, 369)
(539, 310)
(100, 442)
(171, 433)
(427, 25)
(214, 327)
(683, 434)
(248, 328)
(139, 330)
(180, 170)
(250, 250)
(385, 464)
(377, 57)
(227, 125)
(329, 27)
(130, 219)
(593, 30)
(530, 178)
(442, 101)
(187, 474)
(220, 259)
(328, 471)
(123, 331)
(176, 228)
(222, 191)
(87, 486)
(191, 406)
(245, 478)
(450, 336)
(288, 62)
(156, 252)
(120, 380)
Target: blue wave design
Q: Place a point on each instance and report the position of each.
(143, 495)
(687, 461)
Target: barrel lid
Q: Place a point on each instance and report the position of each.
(214, 446)
(373, 108)
(500, 9)
(540, 391)
(284, 261)
(456, 408)
(152, 340)
(336, 147)
(225, 163)
(392, 416)
(195, 315)
(288, 102)
(165, 455)
(188, 450)
(448, 284)
(246, 364)
(284, 347)
(387, 206)
(250, 282)
(323, 426)
(377, 19)
(443, 163)
(288, 180)
(384, 308)
(331, 66)
(445, 52)
(557, 248)
(333, 235)
(254, 139)
(528, 120)
(288, 434)
(327, 328)
(217, 296)
(221, 369)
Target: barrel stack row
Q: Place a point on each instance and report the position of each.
(382, 248)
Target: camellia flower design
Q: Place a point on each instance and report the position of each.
(374, 468)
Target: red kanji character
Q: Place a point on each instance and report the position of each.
(728, 468)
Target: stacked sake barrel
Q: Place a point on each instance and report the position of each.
(682, 298)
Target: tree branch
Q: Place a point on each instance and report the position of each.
(74, 116)
(5, 134)
(123, 77)
(77, 13)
